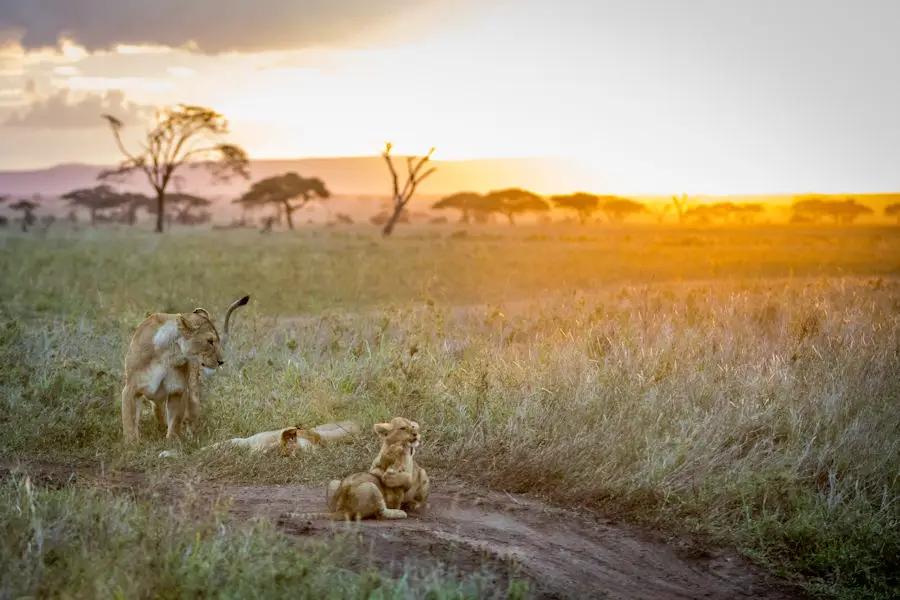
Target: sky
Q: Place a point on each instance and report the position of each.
(649, 96)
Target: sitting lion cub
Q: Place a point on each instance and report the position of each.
(162, 366)
(390, 462)
(365, 495)
(407, 475)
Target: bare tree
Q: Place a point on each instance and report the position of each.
(181, 135)
(681, 206)
(414, 177)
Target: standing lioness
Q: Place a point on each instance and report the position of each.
(163, 365)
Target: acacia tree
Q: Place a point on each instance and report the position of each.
(281, 190)
(179, 136)
(811, 209)
(514, 201)
(26, 207)
(584, 204)
(96, 199)
(893, 210)
(414, 177)
(465, 202)
(618, 209)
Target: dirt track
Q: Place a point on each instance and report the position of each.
(563, 555)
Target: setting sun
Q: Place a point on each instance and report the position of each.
(695, 101)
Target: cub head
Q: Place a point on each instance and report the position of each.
(288, 441)
(397, 430)
(200, 339)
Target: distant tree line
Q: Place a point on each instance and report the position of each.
(185, 136)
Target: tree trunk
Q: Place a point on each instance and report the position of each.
(160, 209)
(392, 222)
(287, 213)
(509, 216)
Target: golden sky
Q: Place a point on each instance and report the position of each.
(653, 96)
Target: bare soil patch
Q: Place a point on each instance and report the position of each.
(561, 553)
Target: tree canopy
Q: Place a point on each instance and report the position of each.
(618, 209)
(179, 136)
(584, 204)
(811, 209)
(280, 190)
(514, 201)
(465, 202)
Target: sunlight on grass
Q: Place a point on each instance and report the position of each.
(739, 386)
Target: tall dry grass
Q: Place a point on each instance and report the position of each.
(757, 411)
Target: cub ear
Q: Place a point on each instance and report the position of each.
(202, 312)
(382, 429)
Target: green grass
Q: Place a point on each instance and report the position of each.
(737, 384)
(91, 543)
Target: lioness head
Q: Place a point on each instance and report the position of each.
(201, 340)
(399, 429)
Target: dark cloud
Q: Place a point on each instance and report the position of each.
(217, 25)
(58, 112)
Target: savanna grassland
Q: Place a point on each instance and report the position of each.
(736, 384)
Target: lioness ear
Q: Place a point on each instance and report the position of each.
(203, 312)
(184, 323)
(382, 429)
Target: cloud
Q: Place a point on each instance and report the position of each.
(217, 26)
(58, 112)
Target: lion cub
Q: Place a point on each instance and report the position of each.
(406, 474)
(365, 495)
(395, 460)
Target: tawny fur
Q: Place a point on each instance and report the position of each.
(410, 477)
(378, 493)
(163, 364)
(289, 440)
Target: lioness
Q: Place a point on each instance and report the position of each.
(163, 364)
(366, 495)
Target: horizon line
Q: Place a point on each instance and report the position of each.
(480, 159)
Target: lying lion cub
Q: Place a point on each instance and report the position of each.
(365, 495)
(162, 366)
(288, 440)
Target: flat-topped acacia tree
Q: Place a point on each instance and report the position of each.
(179, 136)
(281, 190)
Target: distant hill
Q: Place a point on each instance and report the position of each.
(344, 176)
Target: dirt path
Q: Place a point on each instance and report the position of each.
(562, 554)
